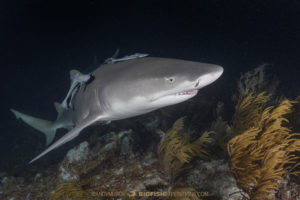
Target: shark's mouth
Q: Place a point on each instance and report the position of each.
(187, 93)
(190, 92)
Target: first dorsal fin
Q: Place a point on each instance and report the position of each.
(59, 109)
(73, 72)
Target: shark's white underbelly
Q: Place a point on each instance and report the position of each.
(123, 110)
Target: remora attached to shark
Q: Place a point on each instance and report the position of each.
(134, 87)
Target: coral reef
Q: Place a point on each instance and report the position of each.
(248, 111)
(256, 81)
(223, 132)
(175, 149)
(262, 154)
(258, 158)
(213, 178)
(263, 149)
(288, 190)
(74, 156)
(16, 188)
(78, 153)
(253, 80)
(85, 160)
(70, 190)
(100, 171)
(137, 174)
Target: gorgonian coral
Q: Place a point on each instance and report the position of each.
(263, 151)
(70, 190)
(175, 149)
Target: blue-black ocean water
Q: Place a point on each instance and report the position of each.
(40, 41)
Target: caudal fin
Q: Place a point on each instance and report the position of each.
(42, 125)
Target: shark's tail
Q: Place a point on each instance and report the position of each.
(45, 126)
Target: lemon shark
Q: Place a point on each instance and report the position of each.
(126, 89)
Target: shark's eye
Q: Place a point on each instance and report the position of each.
(171, 79)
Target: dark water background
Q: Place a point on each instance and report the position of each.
(40, 41)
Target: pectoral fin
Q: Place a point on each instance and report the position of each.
(70, 135)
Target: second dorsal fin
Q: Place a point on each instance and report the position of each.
(59, 109)
(73, 73)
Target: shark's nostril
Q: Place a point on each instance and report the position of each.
(197, 84)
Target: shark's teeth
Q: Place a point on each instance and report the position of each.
(191, 92)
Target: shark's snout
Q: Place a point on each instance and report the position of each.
(218, 72)
(210, 77)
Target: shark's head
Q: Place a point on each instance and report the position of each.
(156, 83)
(180, 81)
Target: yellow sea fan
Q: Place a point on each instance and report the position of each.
(248, 111)
(197, 145)
(273, 122)
(271, 173)
(173, 132)
(263, 155)
(70, 190)
(175, 149)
